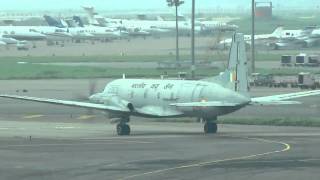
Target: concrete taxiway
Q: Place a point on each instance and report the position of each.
(49, 150)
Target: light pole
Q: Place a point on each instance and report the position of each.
(252, 36)
(193, 67)
(176, 3)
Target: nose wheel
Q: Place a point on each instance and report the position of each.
(123, 129)
(210, 128)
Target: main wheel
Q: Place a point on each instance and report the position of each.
(210, 128)
(123, 129)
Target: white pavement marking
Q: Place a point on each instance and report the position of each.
(33, 116)
(11, 128)
(67, 127)
(86, 117)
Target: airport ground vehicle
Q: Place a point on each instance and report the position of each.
(307, 81)
(258, 79)
(303, 80)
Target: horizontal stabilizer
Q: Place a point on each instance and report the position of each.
(280, 99)
(266, 103)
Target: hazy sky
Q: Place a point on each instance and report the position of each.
(140, 4)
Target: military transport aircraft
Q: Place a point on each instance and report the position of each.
(207, 98)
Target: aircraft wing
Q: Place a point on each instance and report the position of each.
(206, 104)
(69, 103)
(281, 99)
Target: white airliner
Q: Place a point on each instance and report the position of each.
(82, 31)
(157, 26)
(281, 38)
(214, 26)
(155, 98)
(21, 33)
(34, 33)
(276, 34)
(307, 37)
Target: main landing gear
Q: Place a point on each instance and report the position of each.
(210, 127)
(123, 129)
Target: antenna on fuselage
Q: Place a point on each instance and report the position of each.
(123, 76)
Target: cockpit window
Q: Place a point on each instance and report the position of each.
(113, 90)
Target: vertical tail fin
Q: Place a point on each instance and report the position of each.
(78, 21)
(236, 75)
(238, 64)
(277, 32)
(91, 15)
(53, 22)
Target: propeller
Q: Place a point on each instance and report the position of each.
(92, 85)
(92, 90)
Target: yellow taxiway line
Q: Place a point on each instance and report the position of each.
(286, 147)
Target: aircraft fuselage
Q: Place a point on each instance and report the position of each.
(159, 95)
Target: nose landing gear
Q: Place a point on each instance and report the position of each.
(123, 129)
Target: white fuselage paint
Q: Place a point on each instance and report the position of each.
(161, 93)
(33, 32)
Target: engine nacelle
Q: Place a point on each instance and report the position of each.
(118, 102)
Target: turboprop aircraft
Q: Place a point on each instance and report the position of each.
(155, 98)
